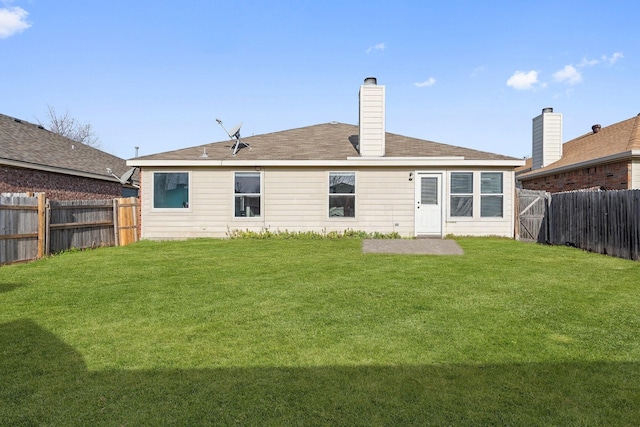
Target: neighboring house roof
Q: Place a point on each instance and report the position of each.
(615, 142)
(528, 163)
(327, 142)
(31, 146)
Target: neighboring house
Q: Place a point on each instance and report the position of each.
(328, 177)
(606, 158)
(33, 159)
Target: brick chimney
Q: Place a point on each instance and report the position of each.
(546, 138)
(372, 119)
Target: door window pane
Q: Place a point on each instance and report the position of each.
(429, 190)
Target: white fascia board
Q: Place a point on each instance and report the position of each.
(581, 165)
(62, 171)
(355, 161)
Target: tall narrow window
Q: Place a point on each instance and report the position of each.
(461, 194)
(428, 190)
(170, 190)
(491, 194)
(342, 194)
(247, 194)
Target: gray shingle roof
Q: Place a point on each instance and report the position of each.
(32, 146)
(329, 141)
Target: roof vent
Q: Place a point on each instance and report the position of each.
(596, 128)
(371, 81)
(547, 110)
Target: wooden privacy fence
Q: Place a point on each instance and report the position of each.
(32, 227)
(605, 222)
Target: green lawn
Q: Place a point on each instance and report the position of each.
(314, 332)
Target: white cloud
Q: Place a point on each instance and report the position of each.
(613, 58)
(568, 74)
(523, 80)
(588, 62)
(13, 20)
(379, 46)
(429, 82)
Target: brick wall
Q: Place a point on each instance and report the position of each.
(56, 186)
(612, 176)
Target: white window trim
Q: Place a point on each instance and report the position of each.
(477, 187)
(485, 218)
(355, 196)
(233, 197)
(172, 210)
(472, 194)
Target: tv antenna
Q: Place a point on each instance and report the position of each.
(234, 134)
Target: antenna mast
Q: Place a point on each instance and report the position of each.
(234, 134)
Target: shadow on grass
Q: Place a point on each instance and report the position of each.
(45, 381)
(8, 287)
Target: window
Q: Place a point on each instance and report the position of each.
(461, 194)
(477, 195)
(342, 197)
(491, 194)
(171, 190)
(428, 190)
(247, 194)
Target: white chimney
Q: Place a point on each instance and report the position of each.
(371, 119)
(546, 138)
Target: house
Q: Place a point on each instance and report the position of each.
(33, 159)
(606, 158)
(328, 177)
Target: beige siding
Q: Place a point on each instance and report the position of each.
(209, 209)
(297, 199)
(478, 226)
(386, 200)
(372, 120)
(635, 174)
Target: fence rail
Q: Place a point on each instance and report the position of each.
(32, 227)
(605, 222)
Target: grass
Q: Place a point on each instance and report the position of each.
(314, 332)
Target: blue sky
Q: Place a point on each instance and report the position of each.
(156, 74)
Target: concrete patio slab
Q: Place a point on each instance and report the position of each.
(412, 246)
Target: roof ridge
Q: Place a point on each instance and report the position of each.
(634, 139)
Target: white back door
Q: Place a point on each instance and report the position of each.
(429, 204)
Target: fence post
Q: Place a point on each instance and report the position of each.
(41, 224)
(48, 230)
(116, 223)
(135, 201)
(547, 218)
